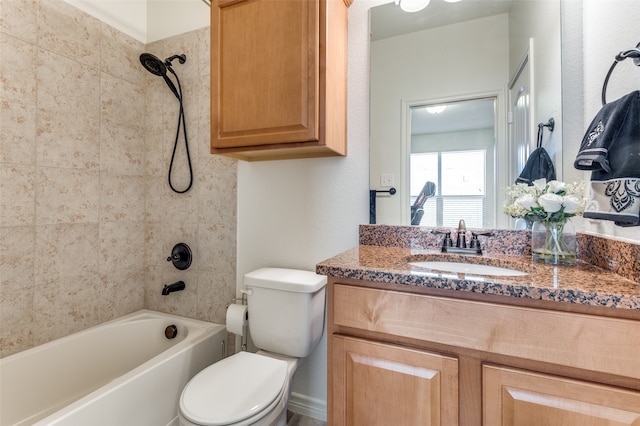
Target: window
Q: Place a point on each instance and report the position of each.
(460, 178)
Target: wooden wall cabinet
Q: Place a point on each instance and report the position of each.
(393, 358)
(279, 78)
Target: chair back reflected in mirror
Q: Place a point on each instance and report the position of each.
(428, 191)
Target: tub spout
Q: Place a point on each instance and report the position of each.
(177, 286)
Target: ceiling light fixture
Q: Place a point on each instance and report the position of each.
(412, 5)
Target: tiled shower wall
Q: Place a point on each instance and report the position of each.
(87, 219)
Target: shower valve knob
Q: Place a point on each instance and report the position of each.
(180, 256)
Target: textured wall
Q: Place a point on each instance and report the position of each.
(86, 217)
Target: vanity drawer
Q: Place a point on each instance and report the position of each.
(608, 345)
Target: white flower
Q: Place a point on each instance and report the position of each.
(540, 184)
(556, 186)
(573, 204)
(542, 200)
(525, 201)
(551, 203)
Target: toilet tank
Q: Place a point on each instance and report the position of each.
(286, 310)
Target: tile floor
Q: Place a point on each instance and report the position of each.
(295, 419)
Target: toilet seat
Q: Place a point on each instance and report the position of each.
(245, 386)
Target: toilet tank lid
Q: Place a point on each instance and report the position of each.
(294, 280)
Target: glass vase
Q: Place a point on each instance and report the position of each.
(554, 242)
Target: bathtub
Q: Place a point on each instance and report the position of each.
(120, 373)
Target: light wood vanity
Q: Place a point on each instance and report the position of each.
(406, 348)
(279, 78)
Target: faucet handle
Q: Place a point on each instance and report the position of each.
(446, 241)
(475, 243)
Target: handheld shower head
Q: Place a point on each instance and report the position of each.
(153, 64)
(156, 66)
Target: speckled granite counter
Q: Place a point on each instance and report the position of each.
(383, 259)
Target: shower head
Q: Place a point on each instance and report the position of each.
(156, 66)
(153, 64)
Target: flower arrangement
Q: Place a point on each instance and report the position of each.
(551, 202)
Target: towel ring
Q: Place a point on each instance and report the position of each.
(632, 53)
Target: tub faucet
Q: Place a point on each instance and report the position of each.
(177, 286)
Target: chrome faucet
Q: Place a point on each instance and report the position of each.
(461, 246)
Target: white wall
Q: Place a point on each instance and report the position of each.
(540, 20)
(428, 65)
(295, 213)
(148, 20)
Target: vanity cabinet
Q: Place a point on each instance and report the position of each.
(392, 385)
(279, 78)
(514, 364)
(516, 397)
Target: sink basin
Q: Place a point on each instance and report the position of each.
(468, 268)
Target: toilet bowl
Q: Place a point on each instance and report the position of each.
(286, 321)
(243, 389)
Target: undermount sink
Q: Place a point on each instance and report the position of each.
(468, 268)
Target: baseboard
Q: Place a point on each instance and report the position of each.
(308, 406)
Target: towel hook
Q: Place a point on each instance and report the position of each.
(551, 124)
(631, 53)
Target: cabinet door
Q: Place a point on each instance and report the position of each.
(513, 397)
(264, 72)
(380, 384)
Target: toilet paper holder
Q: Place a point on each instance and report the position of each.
(243, 301)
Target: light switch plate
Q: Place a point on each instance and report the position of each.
(386, 179)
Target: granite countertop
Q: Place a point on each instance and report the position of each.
(582, 284)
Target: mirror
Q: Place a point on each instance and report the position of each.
(505, 53)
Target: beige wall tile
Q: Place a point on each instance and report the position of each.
(122, 103)
(154, 186)
(17, 131)
(67, 140)
(204, 51)
(154, 164)
(17, 69)
(181, 208)
(121, 246)
(18, 19)
(123, 292)
(66, 306)
(121, 149)
(156, 94)
(69, 32)
(120, 56)
(120, 198)
(16, 319)
(17, 254)
(67, 86)
(17, 195)
(66, 250)
(84, 178)
(215, 291)
(218, 195)
(66, 196)
(217, 248)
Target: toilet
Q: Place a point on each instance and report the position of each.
(286, 321)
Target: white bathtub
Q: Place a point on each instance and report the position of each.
(124, 372)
